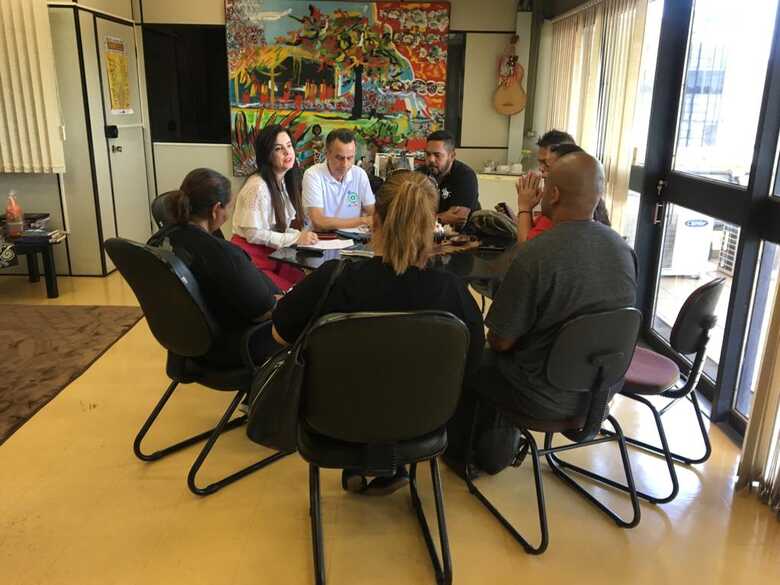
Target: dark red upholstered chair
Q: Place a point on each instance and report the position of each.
(652, 374)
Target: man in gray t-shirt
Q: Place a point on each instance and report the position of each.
(578, 266)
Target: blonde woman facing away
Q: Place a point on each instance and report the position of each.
(395, 279)
(269, 214)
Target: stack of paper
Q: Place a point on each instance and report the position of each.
(359, 250)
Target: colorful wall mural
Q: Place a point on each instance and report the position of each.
(379, 68)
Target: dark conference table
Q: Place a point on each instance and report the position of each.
(472, 265)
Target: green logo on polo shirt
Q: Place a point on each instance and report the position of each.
(352, 198)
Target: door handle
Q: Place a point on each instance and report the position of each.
(658, 213)
(115, 148)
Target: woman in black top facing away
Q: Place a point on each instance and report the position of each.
(395, 279)
(236, 292)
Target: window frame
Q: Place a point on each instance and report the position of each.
(751, 208)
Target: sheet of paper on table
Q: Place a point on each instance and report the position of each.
(328, 245)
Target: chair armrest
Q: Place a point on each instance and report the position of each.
(246, 354)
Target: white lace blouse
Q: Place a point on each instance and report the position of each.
(254, 220)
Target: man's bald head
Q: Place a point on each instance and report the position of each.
(573, 187)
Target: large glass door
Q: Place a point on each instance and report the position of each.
(704, 177)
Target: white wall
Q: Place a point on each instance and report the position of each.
(121, 8)
(523, 52)
(481, 124)
(184, 11)
(488, 15)
(175, 160)
(483, 15)
(476, 157)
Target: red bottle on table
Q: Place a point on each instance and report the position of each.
(14, 218)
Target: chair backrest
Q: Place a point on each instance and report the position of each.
(591, 353)
(696, 317)
(383, 377)
(168, 294)
(691, 331)
(160, 211)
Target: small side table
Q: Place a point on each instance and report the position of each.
(31, 247)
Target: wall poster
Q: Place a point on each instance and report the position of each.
(378, 68)
(118, 81)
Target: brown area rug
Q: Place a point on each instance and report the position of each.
(45, 348)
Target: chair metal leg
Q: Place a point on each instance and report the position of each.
(623, 487)
(704, 434)
(659, 424)
(557, 466)
(178, 446)
(543, 527)
(443, 575)
(218, 430)
(316, 524)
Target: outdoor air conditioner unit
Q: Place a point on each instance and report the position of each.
(687, 243)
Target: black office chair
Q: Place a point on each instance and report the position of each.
(179, 320)
(162, 213)
(385, 406)
(652, 374)
(591, 353)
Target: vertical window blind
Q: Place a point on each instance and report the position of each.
(596, 53)
(30, 121)
(759, 466)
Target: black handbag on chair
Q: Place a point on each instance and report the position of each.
(276, 390)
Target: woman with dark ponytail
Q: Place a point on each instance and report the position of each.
(269, 214)
(397, 278)
(235, 291)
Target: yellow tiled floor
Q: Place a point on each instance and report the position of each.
(77, 508)
(74, 290)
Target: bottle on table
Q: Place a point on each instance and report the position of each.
(438, 233)
(14, 218)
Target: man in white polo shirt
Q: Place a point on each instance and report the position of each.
(337, 194)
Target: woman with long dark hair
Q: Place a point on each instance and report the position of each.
(269, 213)
(235, 291)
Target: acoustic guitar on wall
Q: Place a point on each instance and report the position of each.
(510, 97)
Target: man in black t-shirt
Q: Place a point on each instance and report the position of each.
(458, 188)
